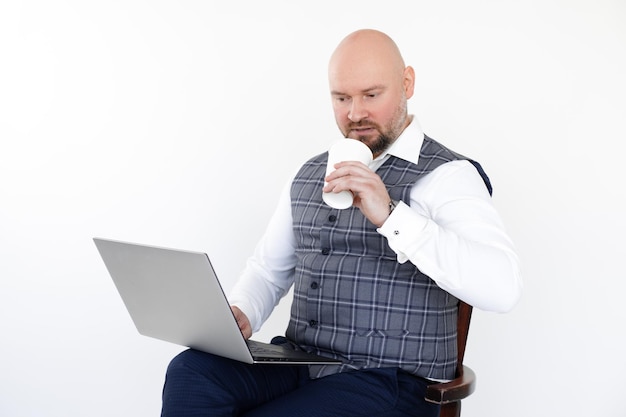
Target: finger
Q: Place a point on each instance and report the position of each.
(349, 168)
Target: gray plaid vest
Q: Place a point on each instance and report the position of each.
(352, 299)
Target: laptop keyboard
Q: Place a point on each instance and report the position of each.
(268, 351)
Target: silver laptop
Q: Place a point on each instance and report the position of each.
(174, 295)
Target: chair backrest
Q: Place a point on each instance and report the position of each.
(449, 394)
(463, 323)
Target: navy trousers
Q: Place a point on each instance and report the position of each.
(200, 384)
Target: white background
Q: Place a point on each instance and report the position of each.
(176, 123)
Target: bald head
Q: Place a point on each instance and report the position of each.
(369, 49)
(370, 86)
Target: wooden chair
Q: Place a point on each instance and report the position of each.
(450, 394)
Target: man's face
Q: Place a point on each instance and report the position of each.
(369, 105)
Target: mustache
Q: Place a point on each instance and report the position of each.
(361, 124)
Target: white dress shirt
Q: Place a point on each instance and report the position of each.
(450, 231)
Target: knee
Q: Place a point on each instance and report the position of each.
(189, 360)
(183, 359)
(197, 364)
(189, 382)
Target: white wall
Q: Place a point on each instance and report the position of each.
(176, 123)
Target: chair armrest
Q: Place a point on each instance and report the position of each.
(455, 390)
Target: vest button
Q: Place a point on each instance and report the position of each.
(332, 218)
(325, 251)
(314, 285)
(313, 323)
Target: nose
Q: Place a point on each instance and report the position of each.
(357, 111)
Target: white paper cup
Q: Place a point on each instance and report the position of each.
(345, 150)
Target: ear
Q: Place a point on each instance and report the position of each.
(409, 81)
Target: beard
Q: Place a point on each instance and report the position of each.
(386, 135)
(379, 144)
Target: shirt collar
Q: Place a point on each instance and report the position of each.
(407, 146)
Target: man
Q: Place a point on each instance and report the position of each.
(375, 285)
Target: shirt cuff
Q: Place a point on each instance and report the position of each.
(401, 229)
(248, 310)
